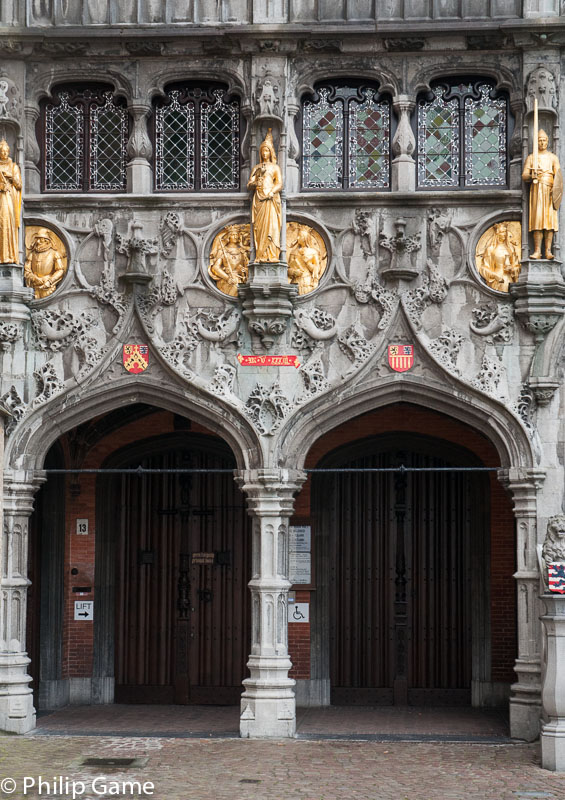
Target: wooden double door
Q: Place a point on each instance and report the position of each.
(403, 574)
(180, 558)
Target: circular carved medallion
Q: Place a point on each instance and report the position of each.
(498, 255)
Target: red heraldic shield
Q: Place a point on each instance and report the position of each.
(401, 356)
(135, 357)
(556, 577)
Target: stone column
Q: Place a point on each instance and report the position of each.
(139, 151)
(32, 154)
(403, 145)
(525, 699)
(268, 707)
(553, 694)
(17, 714)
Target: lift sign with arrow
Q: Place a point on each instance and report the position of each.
(84, 610)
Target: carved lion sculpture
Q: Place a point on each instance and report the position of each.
(554, 545)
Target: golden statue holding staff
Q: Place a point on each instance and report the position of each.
(498, 255)
(266, 210)
(229, 258)
(10, 206)
(543, 171)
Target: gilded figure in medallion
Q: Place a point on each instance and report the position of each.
(10, 206)
(45, 264)
(543, 172)
(498, 255)
(229, 258)
(266, 209)
(306, 257)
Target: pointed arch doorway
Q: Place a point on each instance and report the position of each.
(172, 566)
(402, 563)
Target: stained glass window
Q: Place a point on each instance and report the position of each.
(462, 136)
(85, 141)
(346, 139)
(196, 140)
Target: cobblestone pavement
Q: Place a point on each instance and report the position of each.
(236, 769)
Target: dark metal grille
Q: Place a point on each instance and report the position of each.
(85, 142)
(64, 129)
(462, 136)
(108, 141)
(357, 118)
(197, 141)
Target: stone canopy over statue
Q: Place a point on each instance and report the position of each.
(542, 170)
(266, 209)
(10, 206)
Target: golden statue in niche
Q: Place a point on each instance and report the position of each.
(307, 256)
(543, 171)
(46, 260)
(266, 209)
(229, 258)
(10, 206)
(498, 255)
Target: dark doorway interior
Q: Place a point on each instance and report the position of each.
(402, 607)
(172, 567)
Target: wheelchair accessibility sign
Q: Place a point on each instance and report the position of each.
(299, 612)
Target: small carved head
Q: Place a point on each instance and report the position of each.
(543, 140)
(4, 149)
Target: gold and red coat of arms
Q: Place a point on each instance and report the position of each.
(401, 357)
(135, 357)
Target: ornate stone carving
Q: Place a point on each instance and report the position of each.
(170, 229)
(185, 342)
(314, 379)
(268, 329)
(489, 376)
(12, 402)
(136, 249)
(541, 86)
(10, 101)
(433, 290)
(49, 383)
(104, 231)
(352, 342)
(384, 298)
(107, 294)
(446, 349)
(268, 98)
(9, 333)
(439, 223)
(223, 380)
(267, 407)
(554, 544)
(220, 327)
(526, 407)
(56, 330)
(317, 324)
(404, 142)
(402, 249)
(498, 255)
(139, 144)
(493, 321)
(46, 261)
(543, 389)
(163, 293)
(362, 222)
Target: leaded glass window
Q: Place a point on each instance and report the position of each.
(346, 139)
(85, 141)
(462, 136)
(197, 140)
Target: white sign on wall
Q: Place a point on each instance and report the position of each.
(299, 558)
(82, 527)
(84, 610)
(299, 612)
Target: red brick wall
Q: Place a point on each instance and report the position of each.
(299, 642)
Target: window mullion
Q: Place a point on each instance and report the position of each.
(462, 143)
(346, 154)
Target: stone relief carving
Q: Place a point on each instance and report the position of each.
(541, 86)
(314, 379)
(136, 248)
(223, 380)
(526, 407)
(170, 229)
(554, 544)
(314, 327)
(9, 333)
(352, 342)
(439, 223)
(385, 299)
(10, 100)
(12, 402)
(163, 292)
(493, 321)
(489, 376)
(268, 98)
(49, 383)
(362, 222)
(179, 349)
(267, 407)
(446, 349)
(433, 290)
(220, 327)
(56, 330)
(402, 249)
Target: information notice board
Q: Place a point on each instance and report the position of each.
(300, 561)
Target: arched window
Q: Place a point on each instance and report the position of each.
(197, 140)
(346, 139)
(462, 136)
(85, 138)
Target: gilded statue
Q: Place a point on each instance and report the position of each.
(543, 171)
(10, 206)
(229, 258)
(498, 255)
(45, 264)
(307, 257)
(266, 209)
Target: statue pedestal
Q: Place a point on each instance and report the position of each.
(14, 296)
(267, 302)
(539, 295)
(553, 690)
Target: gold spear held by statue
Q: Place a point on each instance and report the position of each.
(535, 142)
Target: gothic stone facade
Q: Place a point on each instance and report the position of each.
(138, 272)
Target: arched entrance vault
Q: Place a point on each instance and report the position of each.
(517, 472)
